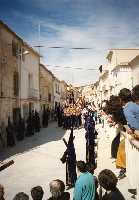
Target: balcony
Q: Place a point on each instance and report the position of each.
(33, 93)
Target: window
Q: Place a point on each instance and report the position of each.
(16, 84)
(49, 97)
(14, 48)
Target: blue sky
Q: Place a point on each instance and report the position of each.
(98, 24)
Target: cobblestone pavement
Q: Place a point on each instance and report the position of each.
(37, 160)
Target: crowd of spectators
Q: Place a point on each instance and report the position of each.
(86, 187)
(122, 112)
(57, 189)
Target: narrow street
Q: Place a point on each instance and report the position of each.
(37, 160)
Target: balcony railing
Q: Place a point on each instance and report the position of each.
(33, 93)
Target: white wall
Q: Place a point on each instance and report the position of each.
(122, 56)
(30, 66)
(135, 73)
(57, 96)
(122, 78)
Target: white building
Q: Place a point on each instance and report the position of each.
(104, 85)
(30, 96)
(134, 64)
(57, 95)
(120, 68)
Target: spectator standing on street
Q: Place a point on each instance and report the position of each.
(114, 108)
(57, 189)
(108, 181)
(91, 168)
(37, 193)
(21, 196)
(130, 108)
(85, 184)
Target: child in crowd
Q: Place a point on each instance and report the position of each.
(21, 196)
(37, 193)
(108, 181)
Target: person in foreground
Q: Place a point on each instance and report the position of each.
(57, 189)
(37, 193)
(85, 184)
(108, 181)
(21, 196)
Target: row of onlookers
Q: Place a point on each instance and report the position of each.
(122, 112)
(86, 187)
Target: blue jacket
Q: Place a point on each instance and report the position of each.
(131, 112)
(84, 187)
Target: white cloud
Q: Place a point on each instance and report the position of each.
(100, 32)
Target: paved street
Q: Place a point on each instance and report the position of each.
(37, 160)
(104, 160)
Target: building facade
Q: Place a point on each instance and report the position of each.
(57, 94)
(63, 92)
(121, 73)
(11, 48)
(19, 76)
(46, 88)
(134, 64)
(30, 94)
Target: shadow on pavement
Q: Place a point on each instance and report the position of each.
(52, 133)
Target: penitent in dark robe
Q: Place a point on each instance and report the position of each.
(10, 134)
(60, 116)
(30, 128)
(45, 118)
(90, 140)
(20, 129)
(69, 157)
(37, 125)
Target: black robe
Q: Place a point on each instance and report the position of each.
(45, 118)
(20, 129)
(71, 175)
(90, 141)
(30, 128)
(115, 146)
(37, 122)
(69, 157)
(59, 116)
(10, 134)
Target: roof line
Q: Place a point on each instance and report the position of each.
(45, 68)
(18, 37)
